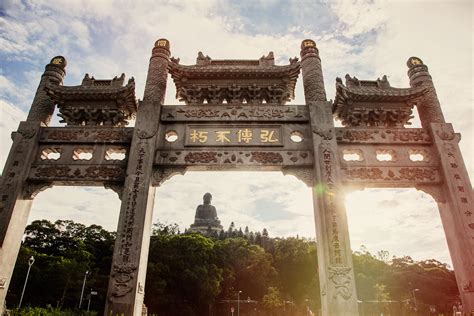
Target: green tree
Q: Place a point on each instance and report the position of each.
(272, 300)
(182, 274)
(246, 267)
(296, 263)
(63, 251)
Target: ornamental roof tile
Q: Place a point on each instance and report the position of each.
(96, 90)
(379, 90)
(260, 72)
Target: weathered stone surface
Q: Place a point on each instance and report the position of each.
(15, 203)
(42, 107)
(127, 281)
(428, 105)
(336, 273)
(456, 209)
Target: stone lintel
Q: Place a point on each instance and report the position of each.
(86, 135)
(77, 174)
(235, 112)
(390, 176)
(232, 159)
(383, 135)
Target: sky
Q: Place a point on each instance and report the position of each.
(363, 38)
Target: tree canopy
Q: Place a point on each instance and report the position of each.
(191, 274)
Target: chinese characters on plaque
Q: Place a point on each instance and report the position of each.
(233, 136)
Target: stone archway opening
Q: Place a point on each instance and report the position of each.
(401, 261)
(258, 199)
(70, 234)
(86, 205)
(400, 221)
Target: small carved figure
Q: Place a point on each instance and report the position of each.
(352, 81)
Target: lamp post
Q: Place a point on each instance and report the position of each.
(238, 303)
(30, 263)
(83, 284)
(414, 298)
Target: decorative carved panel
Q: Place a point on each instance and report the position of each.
(86, 134)
(78, 173)
(391, 176)
(288, 113)
(241, 158)
(377, 135)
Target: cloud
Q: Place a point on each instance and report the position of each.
(443, 40)
(411, 228)
(10, 117)
(84, 205)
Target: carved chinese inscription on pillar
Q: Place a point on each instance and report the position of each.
(463, 193)
(199, 135)
(336, 255)
(127, 229)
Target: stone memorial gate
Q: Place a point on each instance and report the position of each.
(234, 117)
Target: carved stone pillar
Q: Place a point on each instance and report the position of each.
(456, 210)
(43, 106)
(428, 105)
(15, 202)
(336, 272)
(313, 83)
(128, 273)
(456, 206)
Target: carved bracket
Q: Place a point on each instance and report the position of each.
(31, 189)
(161, 174)
(301, 173)
(434, 191)
(116, 187)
